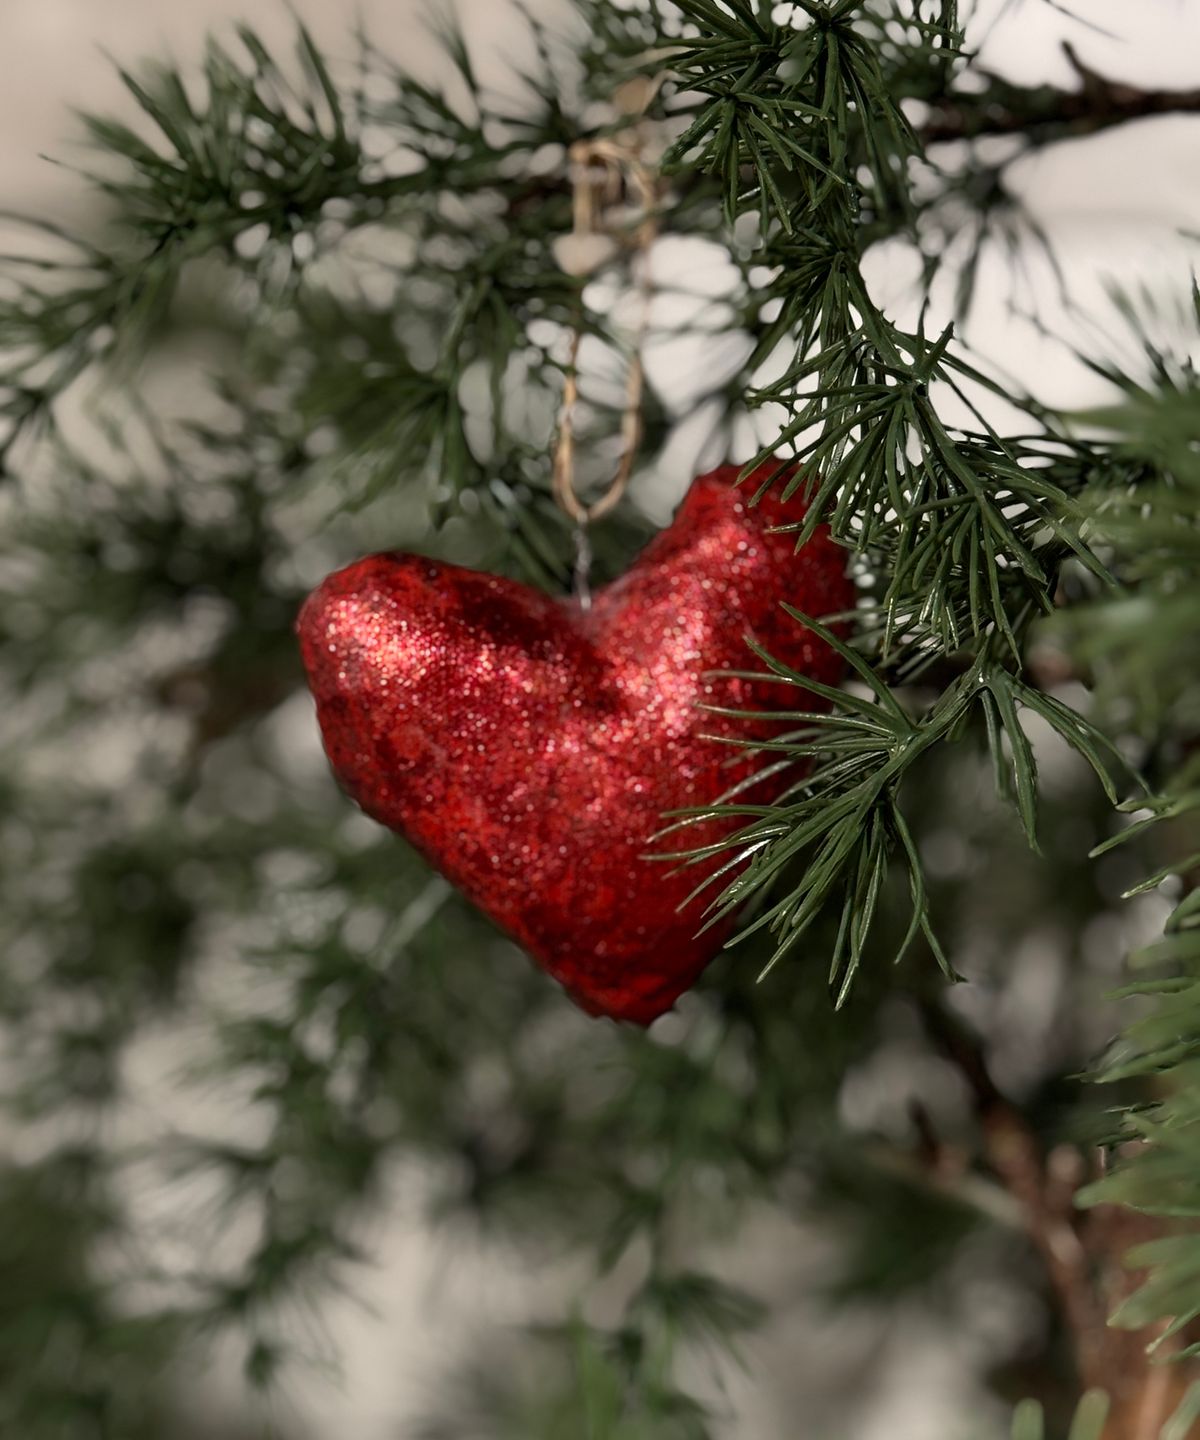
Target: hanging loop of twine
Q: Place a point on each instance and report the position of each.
(603, 171)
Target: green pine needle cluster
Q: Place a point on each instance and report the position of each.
(1155, 535)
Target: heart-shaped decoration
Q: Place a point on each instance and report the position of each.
(529, 747)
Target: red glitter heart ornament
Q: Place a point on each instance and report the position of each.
(529, 747)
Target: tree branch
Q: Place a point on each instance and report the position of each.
(1082, 1253)
(1041, 1186)
(1045, 114)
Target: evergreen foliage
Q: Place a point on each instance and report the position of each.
(361, 265)
(1149, 666)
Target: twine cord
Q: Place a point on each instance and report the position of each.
(602, 172)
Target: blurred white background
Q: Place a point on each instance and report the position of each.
(1114, 206)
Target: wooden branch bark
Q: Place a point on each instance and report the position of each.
(1044, 114)
(1082, 1252)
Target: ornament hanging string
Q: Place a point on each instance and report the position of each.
(603, 171)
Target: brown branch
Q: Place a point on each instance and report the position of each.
(1144, 1393)
(220, 699)
(1042, 114)
(1043, 1187)
(1082, 1253)
(1045, 113)
(1047, 1204)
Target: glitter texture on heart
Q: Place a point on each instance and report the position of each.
(529, 747)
